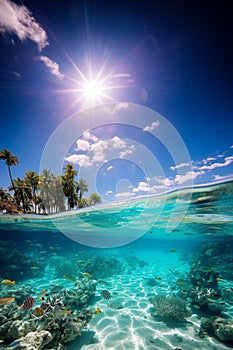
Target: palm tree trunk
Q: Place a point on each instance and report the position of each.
(10, 175)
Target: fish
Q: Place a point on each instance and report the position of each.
(158, 278)
(180, 282)
(43, 291)
(7, 282)
(28, 303)
(69, 278)
(105, 294)
(38, 311)
(218, 279)
(87, 274)
(61, 312)
(14, 343)
(104, 283)
(56, 289)
(4, 301)
(34, 267)
(173, 251)
(97, 311)
(41, 298)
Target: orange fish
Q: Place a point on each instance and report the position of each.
(218, 279)
(4, 301)
(38, 311)
(7, 282)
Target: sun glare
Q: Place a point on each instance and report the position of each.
(93, 90)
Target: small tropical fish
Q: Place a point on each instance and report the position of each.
(104, 283)
(105, 294)
(70, 312)
(38, 311)
(61, 312)
(34, 267)
(43, 292)
(14, 343)
(173, 251)
(158, 278)
(41, 298)
(218, 279)
(4, 301)
(28, 303)
(7, 282)
(87, 274)
(180, 282)
(97, 311)
(56, 288)
(69, 278)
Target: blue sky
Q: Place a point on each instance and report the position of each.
(174, 58)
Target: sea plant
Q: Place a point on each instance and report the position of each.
(170, 308)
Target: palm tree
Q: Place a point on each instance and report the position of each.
(22, 194)
(70, 185)
(82, 187)
(10, 159)
(32, 179)
(94, 199)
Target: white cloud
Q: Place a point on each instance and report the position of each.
(80, 159)
(88, 136)
(18, 20)
(108, 192)
(82, 145)
(223, 178)
(142, 186)
(227, 161)
(127, 151)
(124, 195)
(120, 106)
(110, 168)
(52, 66)
(152, 127)
(190, 175)
(231, 146)
(182, 165)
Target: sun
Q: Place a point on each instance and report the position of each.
(95, 85)
(92, 90)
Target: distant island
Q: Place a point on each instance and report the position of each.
(46, 193)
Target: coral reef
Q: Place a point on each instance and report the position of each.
(170, 309)
(51, 324)
(219, 327)
(102, 266)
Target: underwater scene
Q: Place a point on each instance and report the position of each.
(110, 278)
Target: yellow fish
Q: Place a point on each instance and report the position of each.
(179, 282)
(173, 251)
(43, 291)
(34, 267)
(69, 278)
(158, 278)
(97, 311)
(41, 298)
(69, 312)
(87, 274)
(218, 279)
(7, 282)
(4, 301)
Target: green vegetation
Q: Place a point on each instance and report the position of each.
(45, 193)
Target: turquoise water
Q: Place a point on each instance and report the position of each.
(178, 245)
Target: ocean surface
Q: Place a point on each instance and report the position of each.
(178, 245)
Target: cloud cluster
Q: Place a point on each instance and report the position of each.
(52, 66)
(152, 126)
(18, 20)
